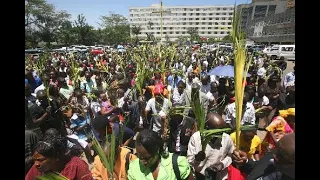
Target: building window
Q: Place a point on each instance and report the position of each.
(184, 23)
(203, 23)
(158, 32)
(210, 14)
(171, 32)
(209, 28)
(197, 14)
(224, 13)
(197, 19)
(224, 9)
(183, 32)
(230, 14)
(197, 9)
(218, 9)
(216, 23)
(177, 32)
(190, 19)
(210, 19)
(203, 18)
(210, 23)
(209, 32)
(197, 23)
(203, 28)
(215, 32)
(229, 23)
(217, 14)
(190, 23)
(202, 32)
(184, 14)
(223, 18)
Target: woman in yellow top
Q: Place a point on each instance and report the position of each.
(250, 143)
(122, 159)
(153, 163)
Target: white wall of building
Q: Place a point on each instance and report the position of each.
(211, 21)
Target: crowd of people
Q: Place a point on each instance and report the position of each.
(71, 99)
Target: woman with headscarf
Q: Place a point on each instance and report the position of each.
(280, 125)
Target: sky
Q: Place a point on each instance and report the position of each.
(94, 9)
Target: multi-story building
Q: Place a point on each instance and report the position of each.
(210, 21)
(269, 21)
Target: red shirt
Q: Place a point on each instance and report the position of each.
(75, 169)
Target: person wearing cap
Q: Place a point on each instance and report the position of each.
(158, 106)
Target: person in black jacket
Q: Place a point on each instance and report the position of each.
(277, 165)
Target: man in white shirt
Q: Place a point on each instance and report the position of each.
(45, 80)
(205, 84)
(289, 79)
(191, 79)
(159, 108)
(248, 115)
(217, 155)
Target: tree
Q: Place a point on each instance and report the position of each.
(167, 37)
(150, 36)
(83, 30)
(35, 10)
(67, 34)
(211, 40)
(194, 36)
(227, 38)
(136, 31)
(116, 28)
(49, 24)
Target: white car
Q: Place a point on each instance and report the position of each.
(266, 50)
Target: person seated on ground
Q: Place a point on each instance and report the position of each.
(250, 143)
(214, 161)
(153, 163)
(122, 158)
(51, 155)
(279, 164)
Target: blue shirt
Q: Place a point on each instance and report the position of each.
(173, 81)
(128, 133)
